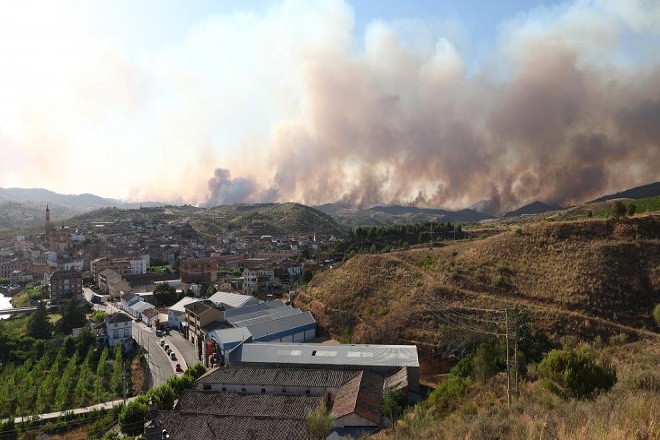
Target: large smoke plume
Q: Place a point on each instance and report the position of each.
(554, 115)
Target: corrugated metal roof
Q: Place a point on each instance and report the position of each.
(283, 324)
(359, 355)
(263, 316)
(141, 306)
(179, 306)
(232, 300)
(230, 335)
(235, 313)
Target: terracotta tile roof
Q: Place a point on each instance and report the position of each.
(279, 406)
(361, 395)
(398, 380)
(119, 317)
(208, 427)
(278, 376)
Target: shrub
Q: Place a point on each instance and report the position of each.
(656, 314)
(393, 403)
(618, 209)
(446, 394)
(319, 423)
(483, 363)
(132, 417)
(574, 373)
(619, 339)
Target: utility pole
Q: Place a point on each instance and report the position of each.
(123, 368)
(508, 362)
(515, 350)
(511, 363)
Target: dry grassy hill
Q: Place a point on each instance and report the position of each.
(583, 278)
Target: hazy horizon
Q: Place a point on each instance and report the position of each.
(431, 103)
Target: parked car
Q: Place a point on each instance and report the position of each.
(166, 347)
(178, 368)
(159, 333)
(162, 342)
(173, 356)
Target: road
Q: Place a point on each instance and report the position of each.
(161, 367)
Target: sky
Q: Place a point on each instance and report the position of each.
(430, 103)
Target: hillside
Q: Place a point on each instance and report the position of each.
(583, 278)
(639, 192)
(267, 218)
(25, 207)
(397, 215)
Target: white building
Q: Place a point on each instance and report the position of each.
(118, 328)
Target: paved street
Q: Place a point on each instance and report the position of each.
(185, 348)
(161, 366)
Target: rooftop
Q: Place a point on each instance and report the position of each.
(277, 376)
(281, 324)
(232, 300)
(359, 355)
(280, 406)
(203, 426)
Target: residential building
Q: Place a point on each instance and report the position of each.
(257, 278)
(198, 315)
(176, 314)
(111, 283)
(198, 270)
(117, 329)
(64, 284)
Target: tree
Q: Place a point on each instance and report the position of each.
(393, 403)
(131, 418)
(85, 340)
(165, 294)
(631, 210)
(306, 276)
(38, 325)
(73, 316)
(656, 314)
(618, 209)
(484, 362)
(574, 373)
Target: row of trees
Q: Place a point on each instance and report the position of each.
(79, 375)
(384, 238)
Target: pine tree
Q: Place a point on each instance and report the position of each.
(38, 325)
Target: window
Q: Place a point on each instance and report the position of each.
(224, 388)
(284, 390)
(242, 390)
(263, 390)
(306, 391)
(207, 387)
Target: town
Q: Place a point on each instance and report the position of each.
(226, 302)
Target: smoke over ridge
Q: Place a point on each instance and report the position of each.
(553, 114)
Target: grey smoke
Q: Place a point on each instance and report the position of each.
(556, 127)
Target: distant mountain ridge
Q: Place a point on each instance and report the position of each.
(638, 192)
(532, 208)
(463, 215)
(26, 206)
(83, 202)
